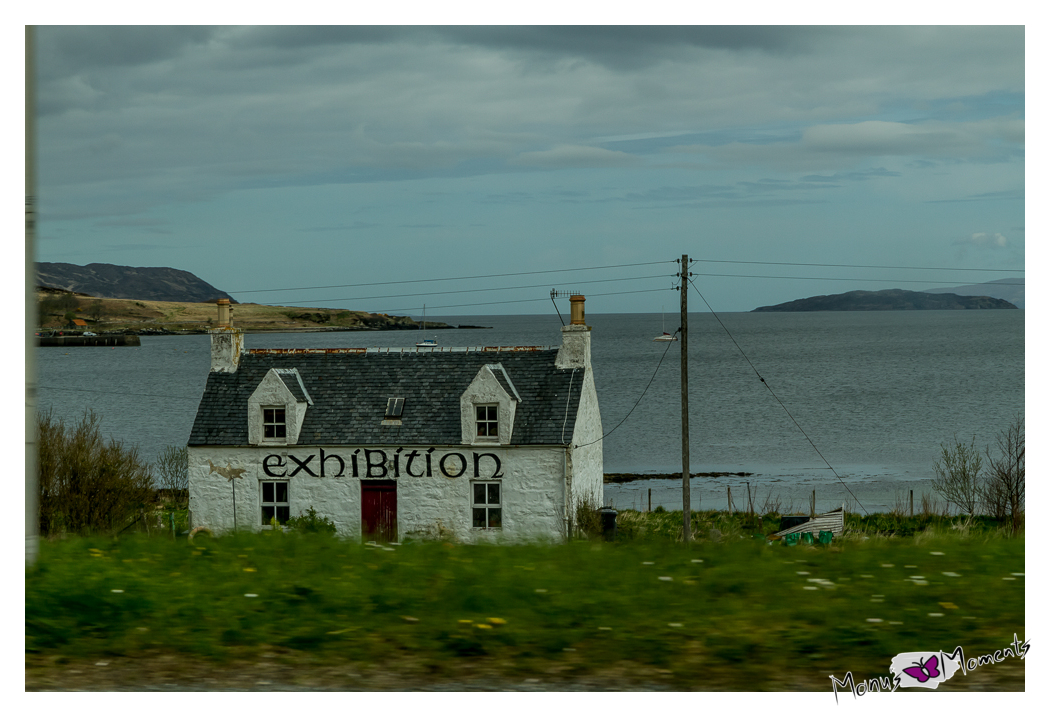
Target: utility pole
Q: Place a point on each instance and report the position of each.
(32, 486)
(683, 289)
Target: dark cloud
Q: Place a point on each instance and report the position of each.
(63, 50)
(626, 47)
(341, 227)
(851, 176)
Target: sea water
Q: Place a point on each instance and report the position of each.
(854, 405)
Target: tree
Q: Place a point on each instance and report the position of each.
(58, 304)
(173, 472)
(958, 475)
(86, 484)
(96, 310)
(1004, 482)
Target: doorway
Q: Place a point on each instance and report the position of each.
(379, 510)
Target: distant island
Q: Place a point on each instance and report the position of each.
(889, 300)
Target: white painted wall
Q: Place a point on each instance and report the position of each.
(533, 489)
(587, 464)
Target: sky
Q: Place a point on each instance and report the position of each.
(356, 166)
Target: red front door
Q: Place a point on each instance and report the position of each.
(379, 510)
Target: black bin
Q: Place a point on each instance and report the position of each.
(608, 518)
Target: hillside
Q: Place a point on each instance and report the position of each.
(153, 283)
(1011, 290)
(143, 316)
(889, 300)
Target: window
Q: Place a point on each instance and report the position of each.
(488, 421)
(274, 426)
(394, 408)
(486, 506)
(274, 501)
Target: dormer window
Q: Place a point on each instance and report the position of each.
(277, 408)
(274, 425)
(487, 407)
(487, 422)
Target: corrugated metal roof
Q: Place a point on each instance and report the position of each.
(832, 521)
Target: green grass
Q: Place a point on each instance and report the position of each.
(737, 614)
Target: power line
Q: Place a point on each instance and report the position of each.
(471, 291)
(842, 278)
(516, 301)
(658, 364)
(454, 278)
(852, 266)
(774, 395)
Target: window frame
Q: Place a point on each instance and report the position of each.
(489, 423)
(275, 424)
(274, 505)
(488, 506)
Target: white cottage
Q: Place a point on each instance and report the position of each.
(477, 443)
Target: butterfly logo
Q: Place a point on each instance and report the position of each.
(923, 671)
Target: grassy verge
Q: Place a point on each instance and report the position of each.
(728, 615)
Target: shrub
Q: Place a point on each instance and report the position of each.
(173, 473)
(58, 304)
(1004, 481)
(587, 519)
(311, 522)
(87, 485)
(958, 475)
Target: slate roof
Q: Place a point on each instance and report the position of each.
(350, 392)
(291, 380)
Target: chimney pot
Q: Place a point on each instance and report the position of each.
(224, 313)
(576, 306)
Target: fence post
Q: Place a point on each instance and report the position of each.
(650, 501)
(813, 503)
(911, 503)
(729, 499)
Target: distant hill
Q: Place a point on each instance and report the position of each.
(889, 300)
(1011, 290)
(155, 283)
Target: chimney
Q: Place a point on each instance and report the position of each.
(225, 315)
(576, 304)
(227, 343)
(575, 351)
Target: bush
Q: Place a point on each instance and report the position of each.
(87, 485)
(998, 490)
(958, 475)
(173, 473)
(58, 304)
(311, 522)
(1004, 481)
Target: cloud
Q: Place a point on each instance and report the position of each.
(845, 144)
(984, 241)
(574, 157)
(144, 117)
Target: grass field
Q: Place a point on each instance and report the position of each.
(310, 610)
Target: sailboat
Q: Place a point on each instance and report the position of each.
(425, 343)
(664, 336)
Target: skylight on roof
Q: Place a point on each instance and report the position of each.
(394, 407)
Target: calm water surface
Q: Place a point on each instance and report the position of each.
(877, 392)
